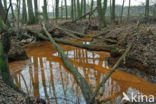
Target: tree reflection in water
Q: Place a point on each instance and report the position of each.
(45, 76)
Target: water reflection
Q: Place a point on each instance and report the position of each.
(45, 76)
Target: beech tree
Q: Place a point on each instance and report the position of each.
(45, 13)
(102, 12)
(147, 9)
(36, 10)
(121, 16)
(24, 13)
(129, 6)
(30, 12)
(113, 11)
(57, 9)
(66, 8)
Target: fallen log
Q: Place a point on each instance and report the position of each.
(73, 32)
(87, 92)
(89, 13)
(68, 33)
(102, 84)
(93, 47)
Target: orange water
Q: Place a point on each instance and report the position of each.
(45, 75)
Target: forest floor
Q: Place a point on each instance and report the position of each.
(142, 55)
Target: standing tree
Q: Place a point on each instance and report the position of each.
(57, 9)
(36, 10)
(121, 16)
(24, 13)
(147, 9)
(5, 4)
(72, 9)
(12, 10)
(154, 10)
(45, 13)
(129, 6)
(113, 11)
(62, 9)
(66, 8)
(78, 8)
(84, 6)
(102, 12)
(91, 8)
(30, 12)
(2, 12)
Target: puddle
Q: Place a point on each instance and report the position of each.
(44, 75)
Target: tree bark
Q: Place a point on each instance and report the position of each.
(147, 9)
(30, 12)
(121, 16)
(129, 6)
(90, 13)
(66, 9)
(113, 11)
(36, 10)
(87, 92)
(57, 9)
(102, 84)
(24, 13)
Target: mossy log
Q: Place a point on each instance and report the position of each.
(87, 92)
(73, 32)
(93, 47)
(69, 33)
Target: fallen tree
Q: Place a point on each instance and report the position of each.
(87, 92)
(89, 13)
(73, 32)
(102, 84)
(94, 47)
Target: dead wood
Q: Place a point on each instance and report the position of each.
(78, 77)
(89, 13)
(102, 84)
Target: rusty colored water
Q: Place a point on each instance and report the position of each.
(45, 75)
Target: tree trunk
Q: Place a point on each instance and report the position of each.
(110, 8)
(113, 11)
(84, 6)
(102, 84)
(104, 12)
(36, 10)
(12, 10)
(78, 8)
(147, 9)
(24, 13)
(30, 12)
(87, 92)
(129, 6)
(72, 9)
(100, 13)
(91, 8)
(57, 9)
(121, 16)
(62, 9)
(45, 13)
(66, 9)
(90, 13)
(5, 4)
(2, 12)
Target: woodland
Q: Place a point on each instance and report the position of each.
(92, 41)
